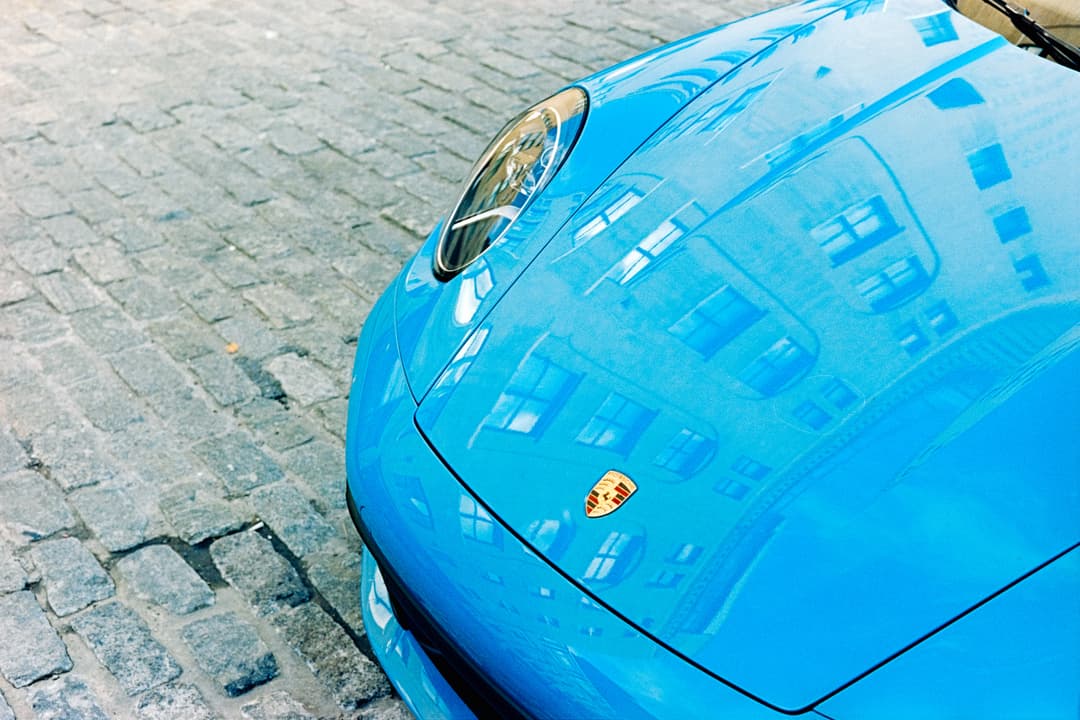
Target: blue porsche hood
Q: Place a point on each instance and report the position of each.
(826, 318)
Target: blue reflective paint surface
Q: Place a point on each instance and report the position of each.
(826, 318)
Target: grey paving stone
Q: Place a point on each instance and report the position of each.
(123, 643)
(6, 713)
(175, 701)
(252, 337)
(12, 574)
(147, 370)
(73, 578)
(112, 515)
(292, 518)
(32, 321)
(103, 263)
(388, 708)
(225, 382)
(40, 201)
(67, 361)
(291, 140)
(69, 231)
(31, 507)
(156, 573)
(277, 705)
(185, 336)
(352, 678)
(73, 456)
(66, 698)
(136, 235)
(38, 256)
(12, 455)
(302, 379)
(240, 465)
(23, 625)
(198, 515)
(68, 292)
(188, 416)
(250, 564)
(106, 329)
(231, 652)
(337, 578)
(321, 466)
(281, 307)
(14, 286)
(107, 403)
(277, 427)
(145, 300)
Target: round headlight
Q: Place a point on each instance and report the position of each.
(514, 168)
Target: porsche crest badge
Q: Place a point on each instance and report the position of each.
(609, 494)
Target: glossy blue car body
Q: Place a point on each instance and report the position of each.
(811, 279)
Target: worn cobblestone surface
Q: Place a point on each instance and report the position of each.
(199, 203)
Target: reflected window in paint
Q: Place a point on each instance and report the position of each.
(619, 207)
(854, 231)
(685, 453)
(463, 360)
(475, 284)
(411, 488)
(912, 338)
(777, 367)
(544, 592)
(1012, 224)
(935, 29)
(838, 393)
(646, 252)
(988, 166)
(1031, 272)
(732, 488)
(750, 468)
(941, 318)
(536, 392)
(665, 579)
(716, 124)
(955, 93)
(686, 554)
(811, 414)
(606, 564)
(476, 523)
(616, 425)
(716, 321)
(893, 284)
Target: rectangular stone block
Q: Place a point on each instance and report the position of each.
(23, 625)
(352, 678)
(112, 516)
(72, 576)
(158, 574)
(238, 462)
(264, 578)
(175, 701)
(231, 652)
(291, 516)
(198, 515)
(31, 507)
(123, 643)
(66, 698)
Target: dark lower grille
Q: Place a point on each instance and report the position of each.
(475, 690)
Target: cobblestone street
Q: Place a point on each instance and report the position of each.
(199, 203)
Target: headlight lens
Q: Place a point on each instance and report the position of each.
(514, 168)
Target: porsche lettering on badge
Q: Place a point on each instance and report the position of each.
(609, 494)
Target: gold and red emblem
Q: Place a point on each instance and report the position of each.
(609, 494)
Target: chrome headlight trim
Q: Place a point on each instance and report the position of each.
(512, 170)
